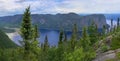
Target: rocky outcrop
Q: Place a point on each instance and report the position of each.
(107, 55)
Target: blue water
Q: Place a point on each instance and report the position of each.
(53, 36)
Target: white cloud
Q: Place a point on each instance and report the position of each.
(12, 7)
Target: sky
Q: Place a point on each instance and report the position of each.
(13, 7)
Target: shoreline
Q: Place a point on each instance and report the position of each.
(11, 35)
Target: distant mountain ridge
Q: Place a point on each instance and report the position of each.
(112, 16)
(49, 21)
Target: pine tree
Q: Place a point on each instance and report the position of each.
(35, 33)
(45, 50)
(26, 30)
(93, 33)
(35, 44)
(61, 37)
(65, 38)
(111, 25)
(111, 22)
(85, 40)
(74, 37)
(46, 44)
(115, 29)
(60, 49)
(104, 29)
(118, 23)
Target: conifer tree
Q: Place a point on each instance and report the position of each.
(93, 33)
(60, 49)
(85, 40)
(26, 30)
(118, 23)
(46, 44)
(65, 43)
(35, 44)
(74, 37)
(115, 29)
(35, 33)
(61, 37)
(65, 37)
(45, 50)
(111, 25)
(111, 22)
(104, 29)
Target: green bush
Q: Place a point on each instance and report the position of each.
(104, 48)
(115, 42)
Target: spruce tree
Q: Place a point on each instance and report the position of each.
(111, 25)
(26, 30)
(65, 43)
(45, 49)
(35, 44)
(85, 40)
(93, 33)
(111, 22)
(103, 30)
(65, 38)
(74, 37)
(61, 37)
(46, 44)
(60, 49)
(35, 33)
(118, 23)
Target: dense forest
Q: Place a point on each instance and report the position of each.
(78, 48)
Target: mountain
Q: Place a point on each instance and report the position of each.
(112, 16)
(5, 42)
(107, 16)
(49, 21)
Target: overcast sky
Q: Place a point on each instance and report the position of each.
(12, 7)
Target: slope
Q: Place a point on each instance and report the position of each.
(5, 42)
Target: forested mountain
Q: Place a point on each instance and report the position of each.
(48, 21)
(112, 16)
(5, 42)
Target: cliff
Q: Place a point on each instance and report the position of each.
(48, 21)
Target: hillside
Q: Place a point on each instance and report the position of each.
(5, 42)
(49, 21)
(112, 16)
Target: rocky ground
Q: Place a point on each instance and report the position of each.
(107, 55)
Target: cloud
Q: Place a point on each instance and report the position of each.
(12, 7)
